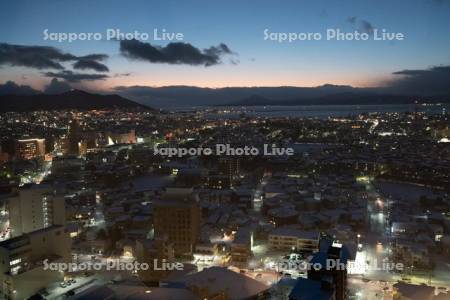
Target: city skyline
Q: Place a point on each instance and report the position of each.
(265, 150)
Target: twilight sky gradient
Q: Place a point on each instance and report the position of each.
(239, 25)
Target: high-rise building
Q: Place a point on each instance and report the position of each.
(74, 137)
(230, 167)
(30, 148)
(177, 216)
(34, 207)
(22, 271)
(332, 257)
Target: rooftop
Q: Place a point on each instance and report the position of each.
(234, 285)
(300, 234)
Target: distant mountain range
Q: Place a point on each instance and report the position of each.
(328, 94)
(74, 99)
(186, 96)
(349, 98)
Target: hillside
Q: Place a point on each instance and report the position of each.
(74, 99)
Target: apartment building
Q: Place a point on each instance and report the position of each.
(177, 216)
(30, 148)
(22, 272)
(34, 207)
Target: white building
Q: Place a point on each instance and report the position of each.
(34, 207)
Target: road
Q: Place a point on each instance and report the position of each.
(377, 249)
(374, 281)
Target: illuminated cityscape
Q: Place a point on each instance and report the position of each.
(140, 159)
(355, 184)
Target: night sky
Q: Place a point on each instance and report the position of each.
(226, 43)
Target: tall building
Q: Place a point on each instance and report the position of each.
(230, 167)
(73, 138)
(23, 258)
(328, 278)
(34, 207)
(177, 216)
(332, 257)
(30, 148)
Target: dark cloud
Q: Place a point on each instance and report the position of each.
(84, 64)
(432, 81)
(70, 76)
(174, 53)
(38, 57)
(97, 57)
(12, 88)
(361, 25)
(41, 57)
(91, 62)
(57, 87)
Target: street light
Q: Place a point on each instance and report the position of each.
(358, 244)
